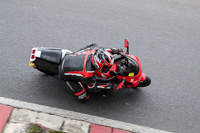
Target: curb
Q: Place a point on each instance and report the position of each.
(5, 112)
(80, 117)
(14, 120)
(102, 129)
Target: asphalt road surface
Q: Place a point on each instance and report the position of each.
(164, 35)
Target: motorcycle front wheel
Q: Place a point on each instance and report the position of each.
(144, 83)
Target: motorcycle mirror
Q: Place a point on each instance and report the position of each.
(126, 45)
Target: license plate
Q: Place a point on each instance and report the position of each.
(31, 63)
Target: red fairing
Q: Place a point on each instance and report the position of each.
(136, 78)
(133, 80)
(107, 75)
(143, 77)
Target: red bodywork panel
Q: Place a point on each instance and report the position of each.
(143, 77)
(134, 80)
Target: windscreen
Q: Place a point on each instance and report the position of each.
(128, 67)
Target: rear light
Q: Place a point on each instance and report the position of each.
(32, 56)
(33, 52)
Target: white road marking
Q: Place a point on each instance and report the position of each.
(80, 116)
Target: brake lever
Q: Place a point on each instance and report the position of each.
(121, 84)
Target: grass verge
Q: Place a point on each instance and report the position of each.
(38, 129)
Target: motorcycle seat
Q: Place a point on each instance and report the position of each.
(52, 56)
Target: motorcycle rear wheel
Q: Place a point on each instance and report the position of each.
(45, 71)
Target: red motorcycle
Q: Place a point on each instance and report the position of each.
(125, 72)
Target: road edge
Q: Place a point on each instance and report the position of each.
(80, 116)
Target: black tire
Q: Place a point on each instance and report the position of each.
(46, 72)
(144, 83)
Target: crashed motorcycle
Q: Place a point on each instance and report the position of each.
(125, 72)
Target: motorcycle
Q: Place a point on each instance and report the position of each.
(125, 72)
